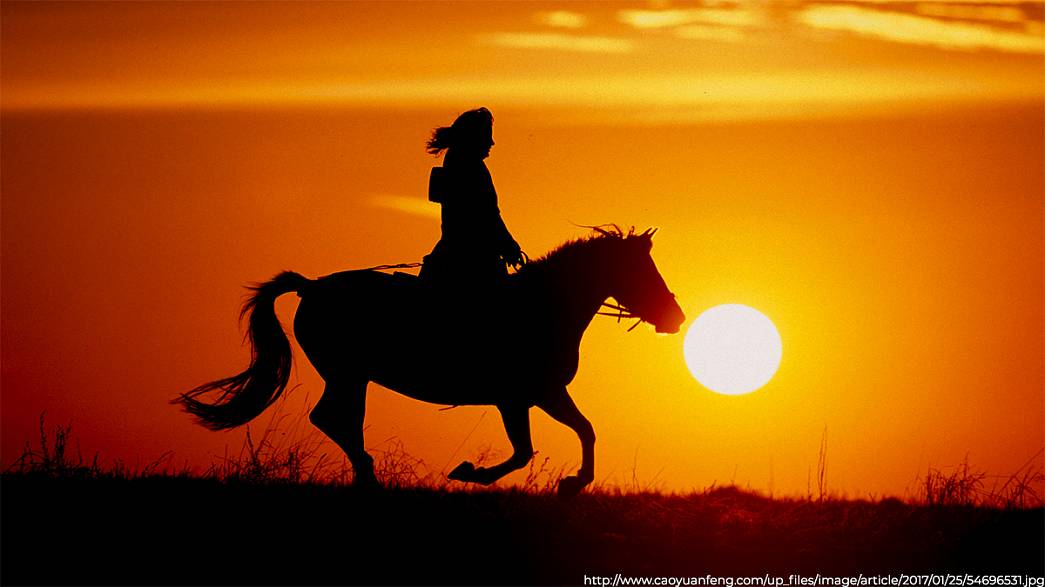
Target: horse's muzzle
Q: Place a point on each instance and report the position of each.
(671, 322)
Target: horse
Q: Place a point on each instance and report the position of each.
(513, 344)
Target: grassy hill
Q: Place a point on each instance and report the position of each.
(277, 515)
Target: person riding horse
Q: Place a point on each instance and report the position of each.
(476, 245)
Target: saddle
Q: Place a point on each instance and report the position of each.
(414, 298)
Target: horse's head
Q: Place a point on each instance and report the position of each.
(638, 286)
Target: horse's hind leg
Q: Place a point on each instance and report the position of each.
(559, 405)
(339, 414)
(517, 424)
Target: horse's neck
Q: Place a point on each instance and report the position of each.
(583, 292)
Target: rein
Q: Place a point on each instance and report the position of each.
(394, 266)
(621, 313)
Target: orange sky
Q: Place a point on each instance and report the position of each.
(867, 174)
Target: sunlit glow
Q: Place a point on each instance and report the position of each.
(707, 97)
(733, 349)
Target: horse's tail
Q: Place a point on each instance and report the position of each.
(243, 397)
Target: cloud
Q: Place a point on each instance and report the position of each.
(655, 19)
(563, 19)
(706, 24)
(919, 30)
(406, 204)
(899, 3)
(731, 96)
(561, 42)
(1009, 14)
(709, 33)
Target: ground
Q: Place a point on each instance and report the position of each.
(171, 529)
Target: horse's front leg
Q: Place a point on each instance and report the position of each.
(517, 424)
(559, 405)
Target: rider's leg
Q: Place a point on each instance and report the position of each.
(339, 414)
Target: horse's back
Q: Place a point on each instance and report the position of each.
(441, 345)
(340, 315)
(377, 325)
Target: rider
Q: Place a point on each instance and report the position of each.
(475, 244)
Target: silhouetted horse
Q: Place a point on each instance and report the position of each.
(514, 346)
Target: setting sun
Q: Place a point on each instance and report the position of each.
(733, 349)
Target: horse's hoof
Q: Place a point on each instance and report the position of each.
(570, 486)
(463, 472)
(366, 482)
(484, 476)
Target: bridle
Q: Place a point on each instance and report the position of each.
(621, 313)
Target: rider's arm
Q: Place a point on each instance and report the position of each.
(508, 248)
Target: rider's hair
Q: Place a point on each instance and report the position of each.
(465, 129)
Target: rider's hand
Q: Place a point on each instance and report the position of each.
(514, 256)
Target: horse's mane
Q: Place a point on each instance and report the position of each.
(571, 249)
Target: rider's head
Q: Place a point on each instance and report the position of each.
(471, 135)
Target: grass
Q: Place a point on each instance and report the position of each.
(283, 512)
(285, 451)
(966, 485)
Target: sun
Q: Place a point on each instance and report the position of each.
(732, 349)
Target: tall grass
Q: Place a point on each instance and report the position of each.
(966, 485)
(53, 457)
(287, 451)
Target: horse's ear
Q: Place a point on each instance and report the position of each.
(647, 238)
